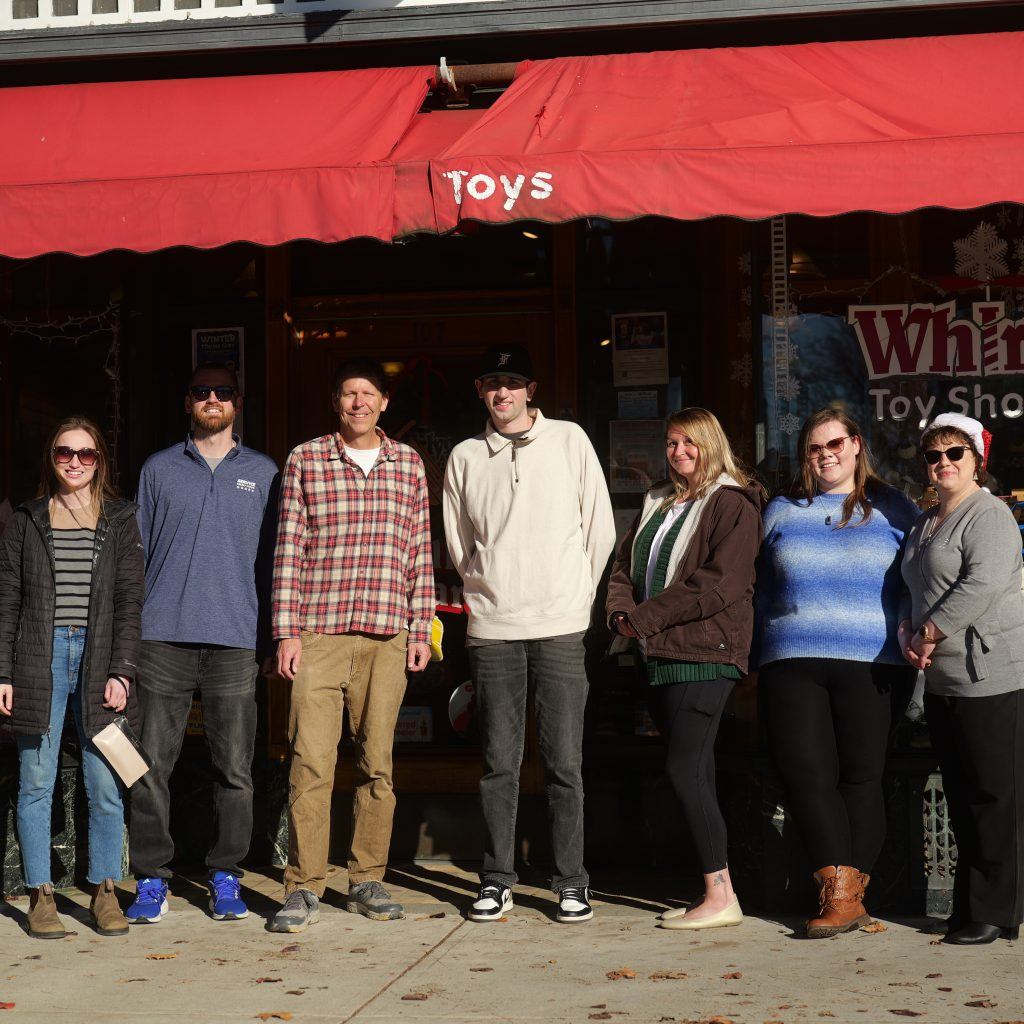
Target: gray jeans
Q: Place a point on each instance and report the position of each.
(554, 668)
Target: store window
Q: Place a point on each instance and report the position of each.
(897, 319)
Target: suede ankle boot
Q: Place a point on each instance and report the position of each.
(840, 894)
(43, 922)
(106, 911)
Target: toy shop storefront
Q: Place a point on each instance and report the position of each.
(644, 259)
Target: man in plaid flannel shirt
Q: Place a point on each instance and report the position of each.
(352, 604)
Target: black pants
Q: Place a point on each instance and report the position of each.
(555, 669)
(979, 742)
(226, 680)
(828, 725)
(688, 716)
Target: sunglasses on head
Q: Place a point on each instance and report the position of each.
(954, 454)
(62, 455)
(835, 446)
(200, 392)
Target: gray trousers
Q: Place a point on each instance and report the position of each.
(555, 670)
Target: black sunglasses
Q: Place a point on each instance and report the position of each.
(200, 392)
(62, 455)
(954, 454)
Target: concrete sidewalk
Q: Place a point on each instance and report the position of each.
(434, 966)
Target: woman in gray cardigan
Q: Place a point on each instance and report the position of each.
(965, 629)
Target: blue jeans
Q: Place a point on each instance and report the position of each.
(37, 759)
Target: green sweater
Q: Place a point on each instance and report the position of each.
(666, 670)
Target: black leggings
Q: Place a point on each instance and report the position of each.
(828, 724)
(688, 715)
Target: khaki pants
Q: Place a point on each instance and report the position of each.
(365, 676)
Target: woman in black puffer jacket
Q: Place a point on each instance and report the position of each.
(71, 592)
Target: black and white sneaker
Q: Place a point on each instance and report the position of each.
(494, 901)
(574, 905)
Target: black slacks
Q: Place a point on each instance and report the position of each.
(688, 716)
(979, 742)
(828, 726)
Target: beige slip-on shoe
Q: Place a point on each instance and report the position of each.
(727, 918)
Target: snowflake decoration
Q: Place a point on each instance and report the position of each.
(1003, 217)
(981, 254)
(743, 263)
(1018, 252)
(743, 330)
(789, 424)
(789, 390)
(745, 295)
(742, 371)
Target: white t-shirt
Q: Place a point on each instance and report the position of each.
(364, 458)
(670, 517)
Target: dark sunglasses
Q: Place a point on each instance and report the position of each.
(200, 392)
(835, 446)
(86, 456)
(954, 454)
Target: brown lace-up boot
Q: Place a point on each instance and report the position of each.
(43, 922)
(106, 911)
(840, 892)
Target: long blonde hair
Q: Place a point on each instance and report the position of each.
(865, 479)
(102, 488)
(716, 454)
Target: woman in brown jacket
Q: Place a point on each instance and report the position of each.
(682, 587)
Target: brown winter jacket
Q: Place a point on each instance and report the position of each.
(705, 613)
(27, 602)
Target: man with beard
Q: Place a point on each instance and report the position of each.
(206, 512)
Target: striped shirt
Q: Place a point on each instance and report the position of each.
(72, 551)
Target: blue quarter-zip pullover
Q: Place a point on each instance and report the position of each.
(205, 537)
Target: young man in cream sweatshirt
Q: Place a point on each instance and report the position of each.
(529, 527)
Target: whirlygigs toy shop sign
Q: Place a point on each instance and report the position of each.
(930, 341)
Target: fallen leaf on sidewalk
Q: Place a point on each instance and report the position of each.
(982, 1004)
(902, 984)
(128, 981)
(945, 988)
(293, 948)
(481, 970)
(295, 992)
(826, 1013)
(935, 942)
(266, 981)
(906, 1013)
(668, 976)
(874, 928)
(275, 1015)
(620, 974)
(732, 976)
(719, 1020)
(358, 949)
(35, 956)
(161, 956)
(415, 997)
(601, 1015)
(933, 975)
(438, 915)
(6, 1006)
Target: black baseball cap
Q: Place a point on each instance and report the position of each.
(506, 361)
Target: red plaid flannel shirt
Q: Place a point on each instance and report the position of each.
(353, 552)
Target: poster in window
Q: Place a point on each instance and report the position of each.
(637, 455)
(639, 349)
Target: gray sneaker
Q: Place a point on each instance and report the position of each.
(373, 900)
(300, 910)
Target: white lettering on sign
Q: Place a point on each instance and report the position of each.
(482, 187)
(925, 339)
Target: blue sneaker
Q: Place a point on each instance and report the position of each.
(150, 901)
(225, 897)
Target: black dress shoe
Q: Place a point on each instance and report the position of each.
(978, 934)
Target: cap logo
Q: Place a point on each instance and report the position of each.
(504, 358)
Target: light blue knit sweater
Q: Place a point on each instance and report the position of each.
(824, 592)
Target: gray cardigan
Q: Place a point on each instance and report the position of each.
(966, 578)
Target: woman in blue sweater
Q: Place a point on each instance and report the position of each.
(828, 595)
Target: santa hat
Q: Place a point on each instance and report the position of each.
(972, 428)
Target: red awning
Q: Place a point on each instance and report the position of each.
(889, 125)
(429, 134)
(202, 162)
